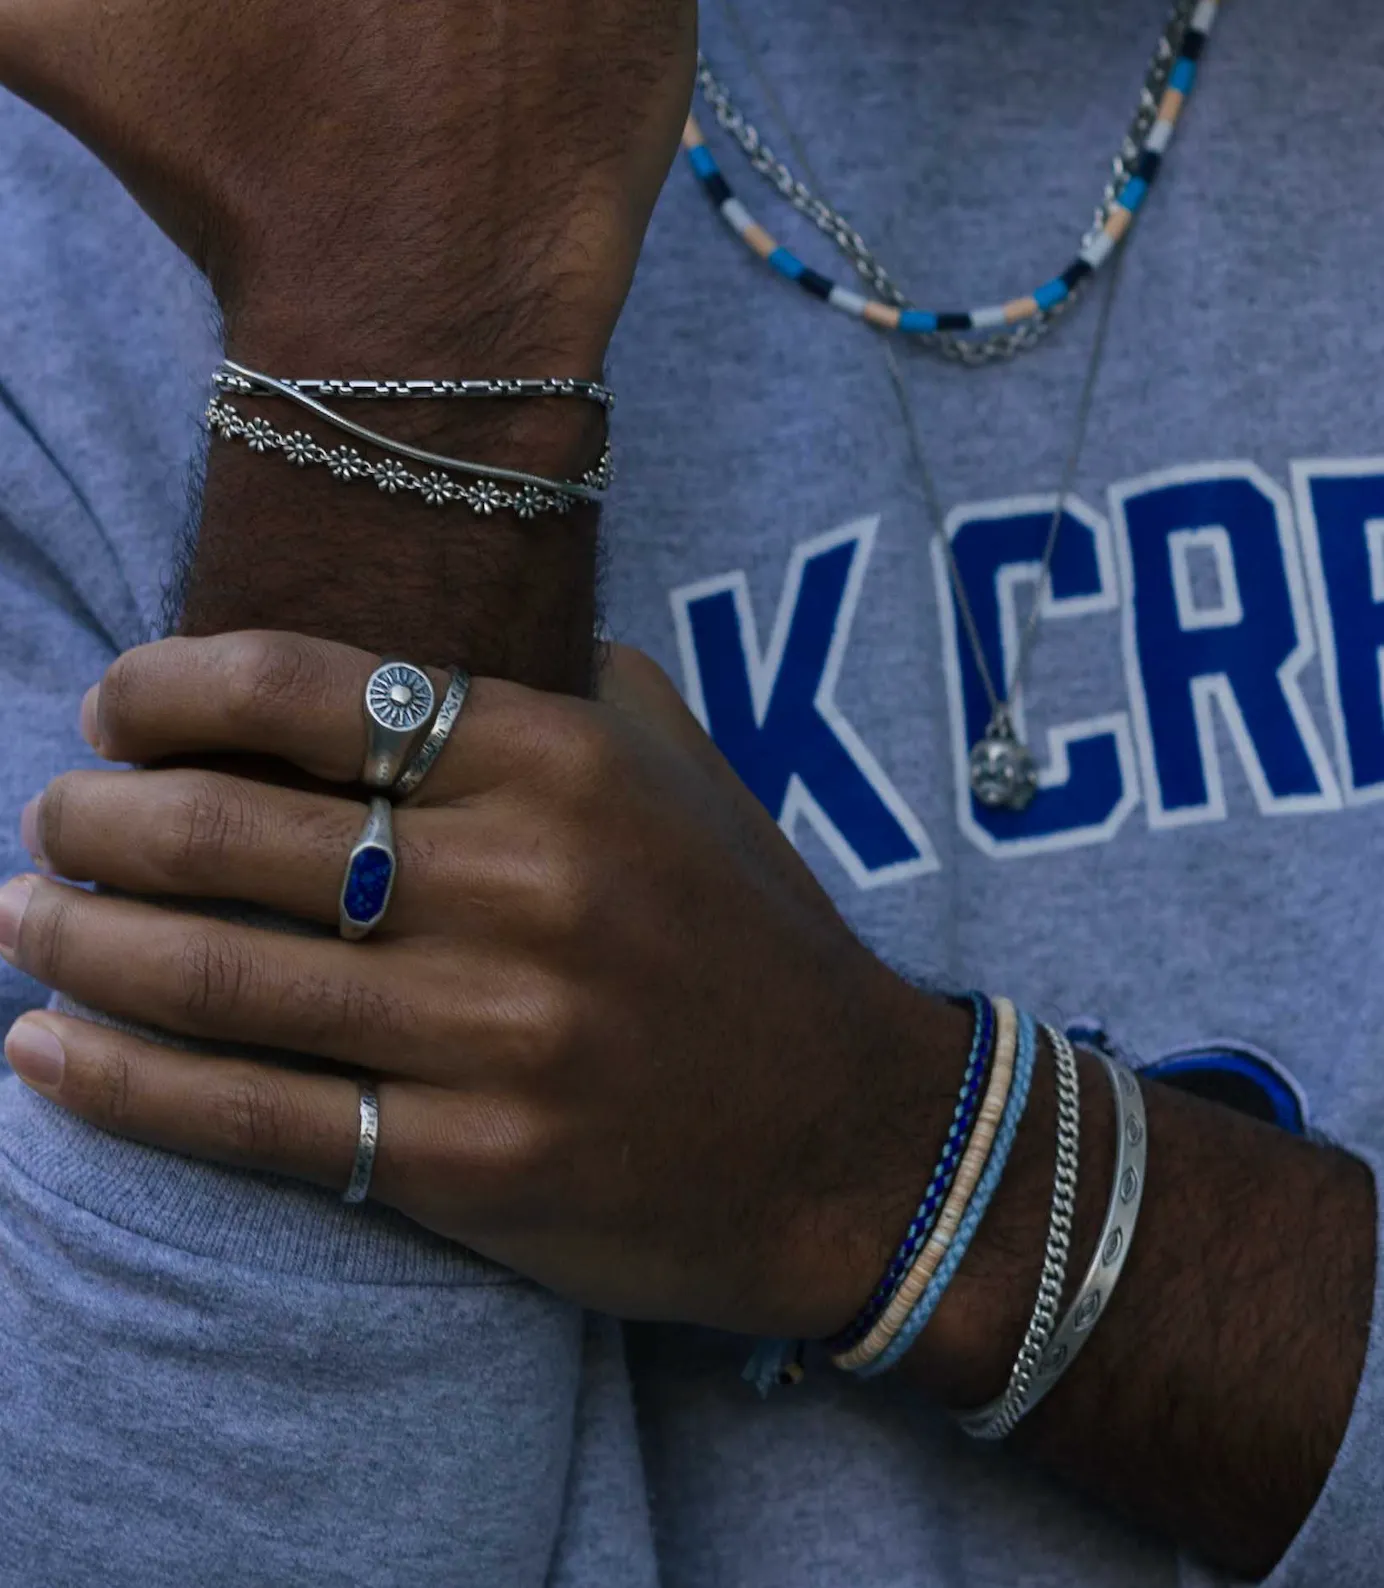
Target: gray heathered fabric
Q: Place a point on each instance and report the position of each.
(219, 1378)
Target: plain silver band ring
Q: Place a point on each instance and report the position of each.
(453, 703)
(366, 1143)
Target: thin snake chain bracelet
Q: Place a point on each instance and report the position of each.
(1171, 76)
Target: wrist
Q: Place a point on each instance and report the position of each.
(887, 1125)
(292, 548)
(487, 313)
(964, 1356)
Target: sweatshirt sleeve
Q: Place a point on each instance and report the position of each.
(106, 337)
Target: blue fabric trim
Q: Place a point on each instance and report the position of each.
(1286, 1105)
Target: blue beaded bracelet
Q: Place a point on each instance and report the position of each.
(963, 1121)
(989, 1181)
(779, 1362)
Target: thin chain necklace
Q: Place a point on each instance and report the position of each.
(1011, 327)
(1002, 770)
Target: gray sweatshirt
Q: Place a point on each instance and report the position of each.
(223, 1379)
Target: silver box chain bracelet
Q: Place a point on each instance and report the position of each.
(495, 489)
(436, 390)
(999, 1419)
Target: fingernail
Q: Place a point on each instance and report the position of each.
(28, 829)
(90, 730)
(35, 1055)
(14, 900)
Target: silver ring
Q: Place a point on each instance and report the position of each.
(367, 1141)
(369, 879)
(399, 699)
(443, 723)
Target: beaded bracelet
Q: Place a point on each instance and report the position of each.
(973, 1164)
(943, 1176)
(780, 1362)
(977, 1205)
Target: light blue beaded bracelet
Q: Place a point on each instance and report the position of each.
(1010, 1121)
(779, 1362)
(924, 1220)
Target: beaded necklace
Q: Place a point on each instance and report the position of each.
(1002, 770)
(1017, 324)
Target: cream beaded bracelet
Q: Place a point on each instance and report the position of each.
(915, 1282)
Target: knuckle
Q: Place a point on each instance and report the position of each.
(564, 903)
(271, 677)
(209, 819)
(366, 1015)
(214, 977)
(255, 1118)
(118, 699)
(45, 945)
(53, 818)
(626, 665)
(587, 753)
(556, 1022)
(110, 1092)
(510, 1153)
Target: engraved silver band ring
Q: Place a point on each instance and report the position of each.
(424, 758)
(367, 1141)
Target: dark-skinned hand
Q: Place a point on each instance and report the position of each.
(622, 1040)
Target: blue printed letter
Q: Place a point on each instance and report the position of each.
(1341, 512)
(773, 714)
(1089, 785)
(1217, 611)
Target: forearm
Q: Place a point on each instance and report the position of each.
(443, 188)
(290, 548)
(1213, 1395)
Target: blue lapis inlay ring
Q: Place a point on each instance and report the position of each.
(369, 878)
(399, 700)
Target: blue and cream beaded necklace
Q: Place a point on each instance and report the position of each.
(1008, 327)
(1002, 772)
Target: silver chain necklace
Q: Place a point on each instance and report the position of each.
(968, 350)
(1002, 772)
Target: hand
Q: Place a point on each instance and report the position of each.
(623, 1042)
(360, 168)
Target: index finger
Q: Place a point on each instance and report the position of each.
(266, 693)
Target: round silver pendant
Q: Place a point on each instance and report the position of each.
(1003, 775)
(399, 697)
